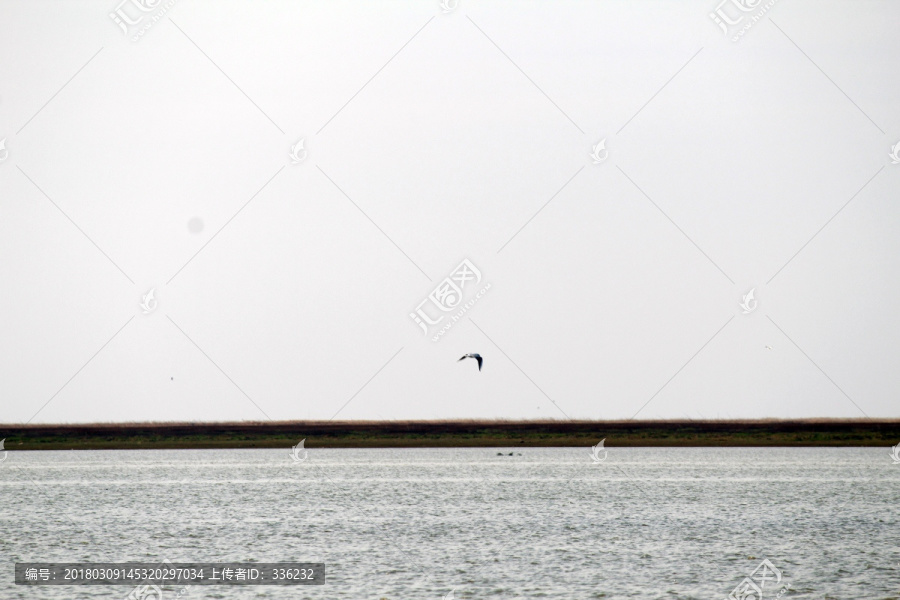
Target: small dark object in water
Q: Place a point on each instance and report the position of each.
(499, 454)
(510, 453)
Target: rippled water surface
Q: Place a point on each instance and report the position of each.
(418, 523)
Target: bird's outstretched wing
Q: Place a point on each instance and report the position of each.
(462, 357)
(480, 360)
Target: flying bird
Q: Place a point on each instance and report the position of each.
(476, 357)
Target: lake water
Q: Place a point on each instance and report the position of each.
(420, 523)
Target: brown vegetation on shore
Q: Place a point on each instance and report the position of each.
(454, 433)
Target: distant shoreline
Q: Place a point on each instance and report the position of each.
(448, 434)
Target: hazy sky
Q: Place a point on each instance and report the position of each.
(161, 159)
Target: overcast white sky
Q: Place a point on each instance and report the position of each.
(284, 290)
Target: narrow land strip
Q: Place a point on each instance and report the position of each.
(440, 434)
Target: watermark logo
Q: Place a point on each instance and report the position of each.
(133, 16)
(737, 16)
(895, 455)
(749, 303)
(298, 153)
(754, 586)
(895, 153)
(5, 452)
(599, 153)
(723, 19)
(4, 153)
(448, 6)
(449, 595)
(448, 297)
(145, 592)
(299, 453)
(121, 18)
(596, 450)
(148, 302)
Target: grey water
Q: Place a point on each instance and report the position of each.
(468, 523)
